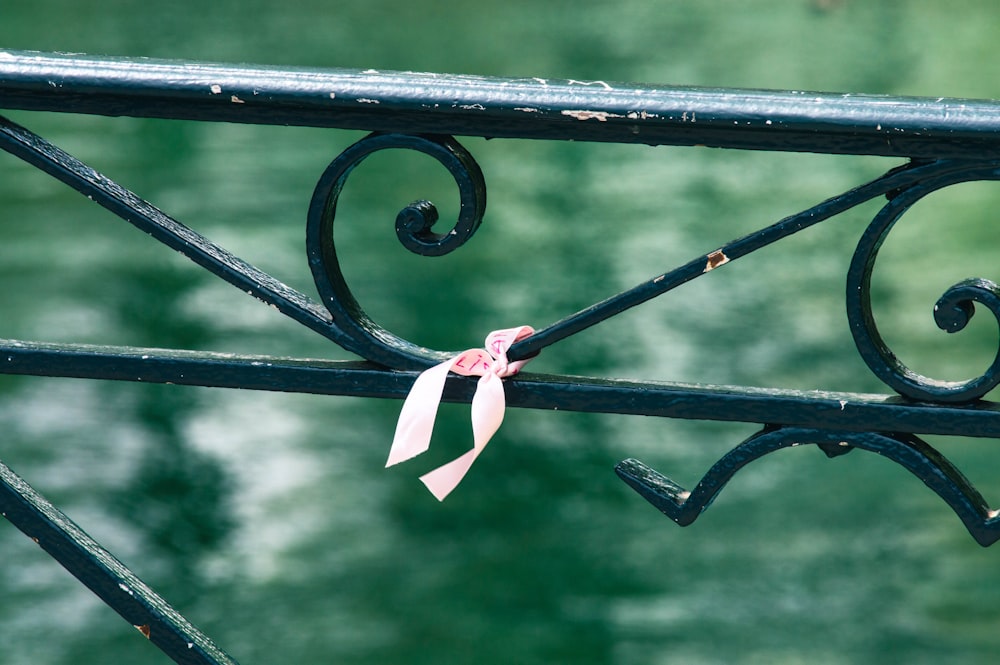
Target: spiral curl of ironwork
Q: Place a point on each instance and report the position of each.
(414, 228)
(951, 313)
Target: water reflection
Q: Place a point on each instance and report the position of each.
(270, 516)
(176, 499)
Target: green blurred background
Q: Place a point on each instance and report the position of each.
(268, 519)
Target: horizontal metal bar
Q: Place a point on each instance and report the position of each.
(503, 107)
(827, 410)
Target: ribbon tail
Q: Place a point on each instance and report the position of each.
(488, 405)
(416, 418)
(442, 480)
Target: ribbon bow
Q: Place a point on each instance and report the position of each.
(416, 419)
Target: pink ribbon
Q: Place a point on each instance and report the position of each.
(416, 419)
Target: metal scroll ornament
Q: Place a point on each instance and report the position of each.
(414, 228)
(951, 313)
(907, 450)
(836, 423)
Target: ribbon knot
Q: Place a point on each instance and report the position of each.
(416, 418)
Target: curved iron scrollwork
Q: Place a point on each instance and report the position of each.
(885, 426)
(793, 418)
(949, 142)
(414, 228)
(951, 313)
(907, 450)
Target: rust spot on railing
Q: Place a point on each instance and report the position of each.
(716, 259)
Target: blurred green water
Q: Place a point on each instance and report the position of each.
(269, 521)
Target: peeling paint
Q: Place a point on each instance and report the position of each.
(333, 95)
(602, 116)
(659, 279)
(685, 118)
(473, 107)
(236, 100)
(216, 89)
(144, 629)
(365, 100)
(843, 404)
(716, 259)
(526, 109)
(600, 83)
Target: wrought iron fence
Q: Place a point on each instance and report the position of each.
(943, 142)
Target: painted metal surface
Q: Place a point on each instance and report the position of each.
(502, 108)
(105, 575)
(948, 141)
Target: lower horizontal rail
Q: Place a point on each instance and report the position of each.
(855, 412)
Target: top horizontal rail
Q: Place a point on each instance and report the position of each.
(531, 108)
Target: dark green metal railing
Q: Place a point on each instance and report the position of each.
(944, 142)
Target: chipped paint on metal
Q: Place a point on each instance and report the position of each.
(600, 83)
(601, 116)
(715, 259)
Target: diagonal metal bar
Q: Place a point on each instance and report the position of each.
(888, 182)
(45, 156)
(103, 574)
